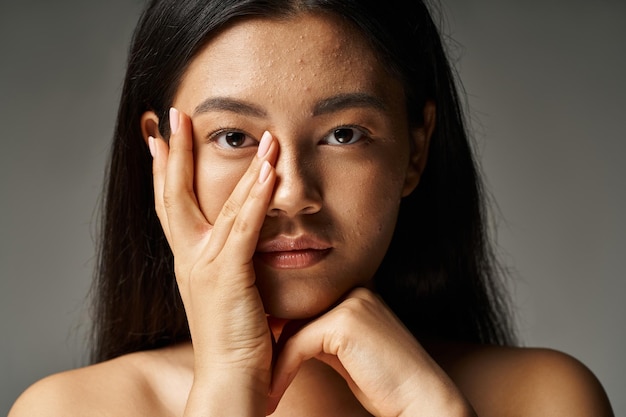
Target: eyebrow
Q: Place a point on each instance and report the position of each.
(231, 105)
(348, 100)
(325, 106)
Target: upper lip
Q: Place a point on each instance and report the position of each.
(289, 243)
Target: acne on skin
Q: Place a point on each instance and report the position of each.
(345, 197)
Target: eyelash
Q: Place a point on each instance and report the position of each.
(365, 134)
(364, 137)
(214, 136)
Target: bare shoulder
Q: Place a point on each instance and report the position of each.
(99, 390)
(508, 381)
(118, 387)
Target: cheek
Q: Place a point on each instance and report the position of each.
(379, 181)
(367, 198)
(380, 207)
(214, 183)
(368, 209)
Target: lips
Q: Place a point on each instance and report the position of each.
(292, 252)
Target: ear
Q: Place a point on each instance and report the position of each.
(420, 140)
(150, 126)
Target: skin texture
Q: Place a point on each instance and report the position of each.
(298, 333)
(345, 197)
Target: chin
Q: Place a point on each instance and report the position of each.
(297, 306)
(295, 300)
(304, 293)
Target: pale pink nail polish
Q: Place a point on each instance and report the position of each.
(264, 145)
(174, 120)
(265, 172)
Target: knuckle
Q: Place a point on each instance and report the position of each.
(169, 200)
(230, 209)
(241, 226)
(363, 294)
(348, 311)
(361, 302)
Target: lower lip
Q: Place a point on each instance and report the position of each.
(295, 259)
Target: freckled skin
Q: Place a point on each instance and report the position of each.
(355, 188)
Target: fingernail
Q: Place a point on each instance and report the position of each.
(264, 145)
(174, 120)
(265, 172)
(152, 146)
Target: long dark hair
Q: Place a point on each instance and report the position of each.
(439, 275)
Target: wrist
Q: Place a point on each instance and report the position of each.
(229, 392)
(439, 397)
(455, 408)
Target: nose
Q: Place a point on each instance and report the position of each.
(296, 190)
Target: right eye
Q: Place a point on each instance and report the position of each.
(233, 139)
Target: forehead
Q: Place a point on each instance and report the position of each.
(304, 55)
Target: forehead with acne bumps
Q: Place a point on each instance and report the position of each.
(294, 55)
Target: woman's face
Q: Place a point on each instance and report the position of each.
(345, 158)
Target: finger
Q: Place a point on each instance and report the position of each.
(244, 211)
(330, 339)
(305, 344)
(159, 150)
(289, 357)
(242, 240)
(247, 225)
(185, 219)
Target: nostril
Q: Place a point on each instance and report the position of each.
(282, 212)
(297, 189)
(292, 198)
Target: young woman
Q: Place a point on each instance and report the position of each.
(294, 225)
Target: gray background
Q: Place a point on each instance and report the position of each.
(547, 98)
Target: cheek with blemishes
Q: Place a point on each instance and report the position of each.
(367, 203)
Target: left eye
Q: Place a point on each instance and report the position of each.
(234, 139)
(344, 136)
